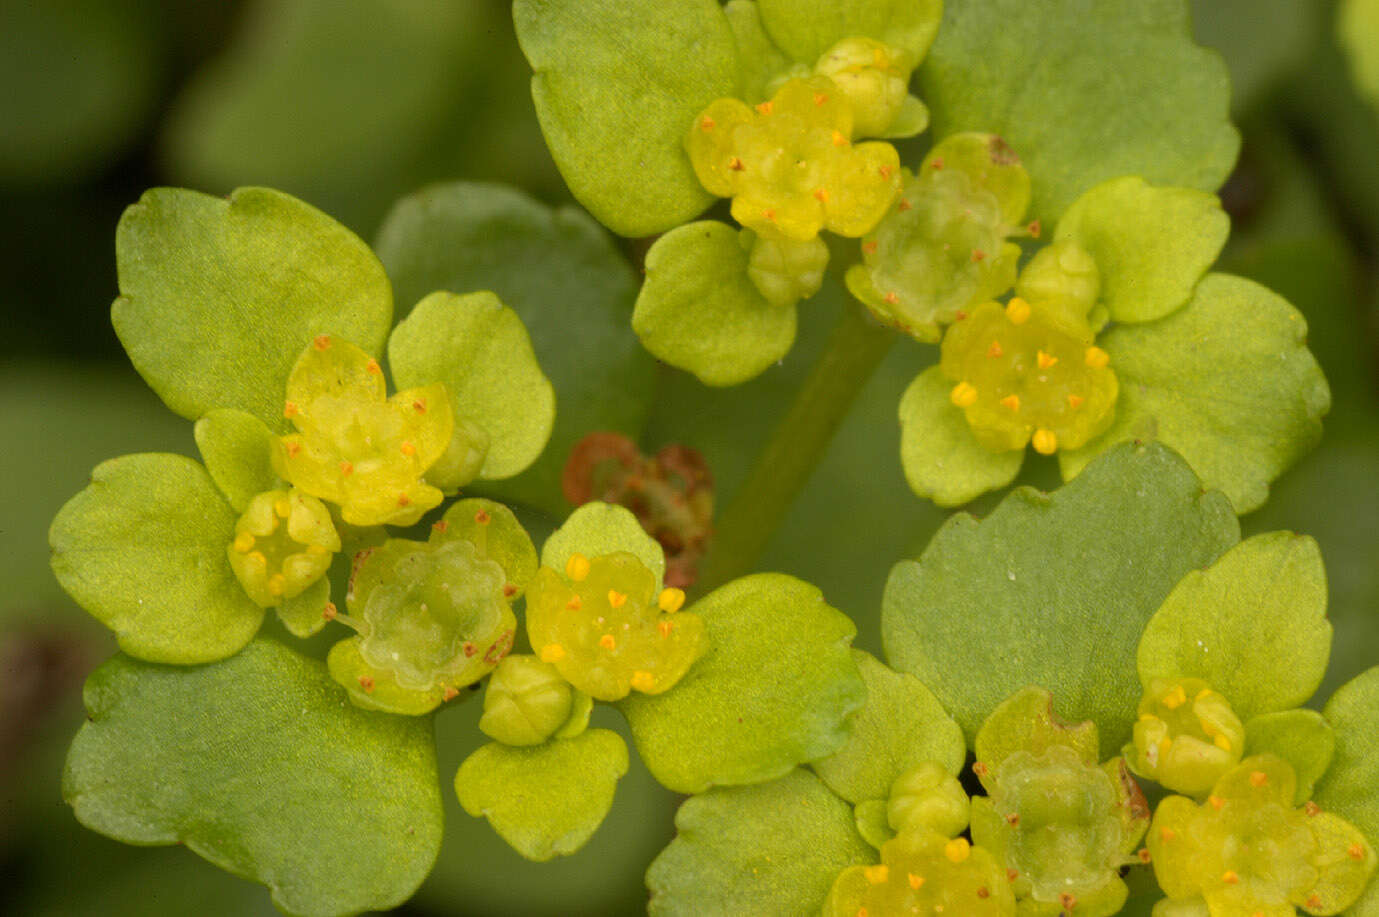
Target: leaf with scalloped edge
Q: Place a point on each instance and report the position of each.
(598, 528)
(220, 296)
(1253, 625)
(558, 270)
(942, 459)
(808, 28)
(617, 84)
(1151, 244)
(700, 311)
(480, 349)
(1303, 738)
(143, 548)
(773, 848)
(545, 800)
(775, 689)
(237, 448)
(1048, 581)
(1348, 787)
(259, 765)
(1084, 92)
(902, 726)
(1227, 381)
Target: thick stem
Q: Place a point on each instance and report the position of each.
(855, 348)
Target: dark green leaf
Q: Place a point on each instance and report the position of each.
(1047, 582)
(261, 766)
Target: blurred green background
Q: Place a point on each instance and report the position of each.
(351, 104)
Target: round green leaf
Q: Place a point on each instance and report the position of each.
(808, 28)
(617, 85)
(143, 549)
(1253, 625)
(774, 848)
(1303, 738)
(1150, 244)
(237, 449)
(942, 459)
(1227, 381)
(699, 311)
(219, 296)
(259, 765)
(1084, 92)
(479, 348)
(558, 270)
(902, 726)
(598, 528)
(774, 690)
(545, 800)
(1048, 581)
(1348, 788)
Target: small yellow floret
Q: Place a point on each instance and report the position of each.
(671, 599)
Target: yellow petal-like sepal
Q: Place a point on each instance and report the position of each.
(284, 542)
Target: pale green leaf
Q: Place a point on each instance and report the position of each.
(259, 765)
(1227, 381)
(143, 548)
(1084, 92)
(774, 848)
(942, 459)
(1151, 244)
(480, 349)
(220, 296)
(558, 270)
(759, 60)
(1253, 625)
(237, 449)
(808, 28)
(774, 690)
(1303, 738)
(1348, 788)
(599, 528)
(617, 85)
(545, 800)
(1048, 581)
(902, 726)
(700, 311)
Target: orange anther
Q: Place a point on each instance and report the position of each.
(937, 163)
(820, 98)
(904, 205)
(419, 405)
(330, 611)
(575, 604)
(449, 693)
(821, 195)
(892, 297)
(1012, 875)
(607, 642)
(885, 171)
(983, 892)
(292, 449)
(869, 248)
(1216, 802)
(665, 627)
(366, 683)
(1075, 401)
(617, 599)
(1013, 819)
(372, 368)
(1258, 778)
(407, 448)
(1355, 852)
(765, 107)
(1067, 901)
(706, 123)
(736, 164)
(481, 517)
(994, 350)
(347, 468)
(839, 139)
(509, 590)
(768, 214)
(1045, 360)
(878, 874)
(321, 342)
(1230, 877)
(1035, 229)
(978, 255)
(441, 526)
(1167, 834)
(1314, 902)
(915, 881)
(403, 500)
(1144, 855)
(1011, 401)
(1312, 809)
(290, 409)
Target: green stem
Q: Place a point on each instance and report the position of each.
(856, 346)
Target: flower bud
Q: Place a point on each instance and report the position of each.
(526, 702)
(928, 797)
(874, 79)
(1186, 737)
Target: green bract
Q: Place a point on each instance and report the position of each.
(1214, 366)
